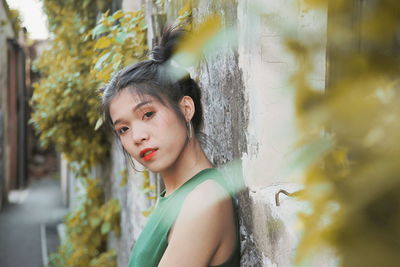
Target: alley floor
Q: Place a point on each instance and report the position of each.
(28, 224)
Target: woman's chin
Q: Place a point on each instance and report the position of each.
(158, 165)
(154, 168)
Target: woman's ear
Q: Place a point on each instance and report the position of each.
(187, 107)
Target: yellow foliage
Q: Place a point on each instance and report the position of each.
(191, 48)
(87, 229)
(122, 42)
(353, 187)
(194, 42)
(102, 42)
(65, 100)
(184, 19)
(105, 260)
(150, 191)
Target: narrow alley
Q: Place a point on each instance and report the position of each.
(28, 224)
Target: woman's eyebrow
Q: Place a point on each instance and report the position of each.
(141, 104)
(116, 122)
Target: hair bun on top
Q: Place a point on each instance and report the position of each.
(169, 42)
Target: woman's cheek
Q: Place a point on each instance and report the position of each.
(126, 146)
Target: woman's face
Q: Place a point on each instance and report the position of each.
(149, 131)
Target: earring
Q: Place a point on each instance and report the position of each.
(189, 126)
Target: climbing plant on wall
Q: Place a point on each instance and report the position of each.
(65, 99)
(81, 58)
(87, 228)
(120, 40)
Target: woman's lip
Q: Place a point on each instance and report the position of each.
(150, 155)
(144, 151)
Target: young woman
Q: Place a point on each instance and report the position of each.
(157, 117)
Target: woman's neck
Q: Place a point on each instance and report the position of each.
(191, 161)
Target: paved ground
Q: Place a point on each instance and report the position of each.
(28, 224)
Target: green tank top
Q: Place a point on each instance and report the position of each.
(153, 241)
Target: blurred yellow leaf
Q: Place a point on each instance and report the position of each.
(186, 8)
(194, 41)
(118, 14)
(103, 42)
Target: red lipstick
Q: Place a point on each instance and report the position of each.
(148, 153)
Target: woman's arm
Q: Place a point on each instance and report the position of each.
(199, 228)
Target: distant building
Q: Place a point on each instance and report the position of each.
(13, 107)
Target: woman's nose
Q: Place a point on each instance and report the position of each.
(139, 135)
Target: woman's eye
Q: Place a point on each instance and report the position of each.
(122, 130)
(148, 114)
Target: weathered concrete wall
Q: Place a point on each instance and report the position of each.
(132, 5)
(271, 132)
(224, 100)
(226, 112)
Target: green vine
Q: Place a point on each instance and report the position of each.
(65, 100)
(87, 230)
(120, 40)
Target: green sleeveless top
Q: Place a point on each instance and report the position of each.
(153, 241)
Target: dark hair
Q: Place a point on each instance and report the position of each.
(155, 77)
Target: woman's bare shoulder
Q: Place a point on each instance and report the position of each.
(212, 202)
(200, 225)
(211, 188)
